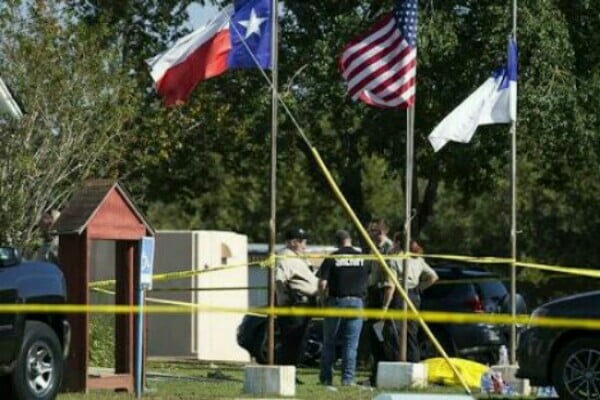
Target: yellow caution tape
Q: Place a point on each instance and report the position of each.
(470, 259)
(564, 270)
(399, 256)
(476, 260)
(403, 255)
(209, 289)
(270, 261)
(181, 274)
(174, 307)
(189, 306)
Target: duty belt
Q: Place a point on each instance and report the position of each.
(381, 285)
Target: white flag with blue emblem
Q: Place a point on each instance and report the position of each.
(494, 102)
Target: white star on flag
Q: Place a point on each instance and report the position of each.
(253, 24)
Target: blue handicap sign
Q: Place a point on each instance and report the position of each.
(146, 262)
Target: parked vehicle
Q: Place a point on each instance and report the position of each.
(252, 336)
(33, 346)
(467, 289)
(566, 358)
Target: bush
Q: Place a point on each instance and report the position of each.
(102, 340)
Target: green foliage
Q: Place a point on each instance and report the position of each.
(382, 190)
(207, 165)
(78, 101)
(102, 340)
(172, 216)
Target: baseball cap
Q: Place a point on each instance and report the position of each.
(296, 233)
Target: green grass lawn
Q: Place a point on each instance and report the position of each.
(179, 380)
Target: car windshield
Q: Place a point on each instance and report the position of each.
(447, 288)
(5, 253)
(8, 255)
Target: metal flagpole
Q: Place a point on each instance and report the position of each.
(410, 126)
(513, 228)
(272, 230)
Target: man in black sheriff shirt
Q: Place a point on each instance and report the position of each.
(343, 283)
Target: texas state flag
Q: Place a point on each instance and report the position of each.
(238, 37)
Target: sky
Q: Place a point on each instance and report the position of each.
(199, 15)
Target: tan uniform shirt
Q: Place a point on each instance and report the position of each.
(293, 275)
(377, 274)
(417, 267)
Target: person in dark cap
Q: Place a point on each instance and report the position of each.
(343, 283)
(296, 286)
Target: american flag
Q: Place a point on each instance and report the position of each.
(380, 66)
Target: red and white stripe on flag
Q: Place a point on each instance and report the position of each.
(380, 66)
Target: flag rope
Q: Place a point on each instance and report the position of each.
(270, 82)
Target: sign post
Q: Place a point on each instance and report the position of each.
(146, 269)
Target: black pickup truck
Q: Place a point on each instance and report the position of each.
(33, 345)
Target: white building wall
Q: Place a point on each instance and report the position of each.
(216, 332)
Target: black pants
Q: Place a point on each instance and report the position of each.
(293, 334)
(388, 351)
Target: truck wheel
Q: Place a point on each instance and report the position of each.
(576, 370)
(39, 367)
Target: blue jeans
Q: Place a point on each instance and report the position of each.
(348, 331)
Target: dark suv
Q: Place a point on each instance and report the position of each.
(567, 358)
(467, 289)
(33, 345)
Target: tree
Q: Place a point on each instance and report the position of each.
(206, 165)
(78, 103)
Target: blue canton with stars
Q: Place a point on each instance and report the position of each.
(406, 18)
(258, 41)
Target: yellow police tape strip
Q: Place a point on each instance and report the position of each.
(188, 306)
(183, 274)
(470, 259)
(367, 256)
(268, 262)
(478, 260)
(174, 307)
(210, 289)
(555, 268)
(402, 256)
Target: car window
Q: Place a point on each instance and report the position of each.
(443, 290)
(9, 256)
(491, 289)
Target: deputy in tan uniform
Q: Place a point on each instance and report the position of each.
(377, 292)
(419, 277)
(296, 286)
